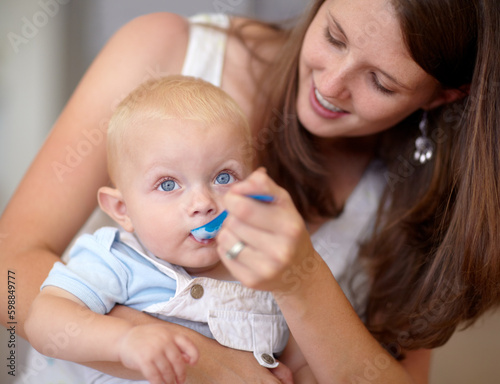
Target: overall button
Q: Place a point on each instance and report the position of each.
(196, 291)
(268, 358)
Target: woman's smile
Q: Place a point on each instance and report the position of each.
(322, 107)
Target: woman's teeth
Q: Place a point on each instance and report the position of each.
(325, 103)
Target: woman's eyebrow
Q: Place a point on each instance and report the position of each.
(339, 27)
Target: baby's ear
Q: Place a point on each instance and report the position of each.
(111, 201)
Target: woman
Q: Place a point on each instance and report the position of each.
(323, 112)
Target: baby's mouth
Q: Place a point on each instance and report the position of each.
(202, 240)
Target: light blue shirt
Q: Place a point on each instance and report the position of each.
(103, 272)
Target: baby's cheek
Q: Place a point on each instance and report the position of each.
(155, 238)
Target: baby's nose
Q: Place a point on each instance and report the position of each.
(203, 203)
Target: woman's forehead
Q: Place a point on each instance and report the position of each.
(374, 33)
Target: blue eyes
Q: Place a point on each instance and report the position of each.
(168, 185)
(224, 178)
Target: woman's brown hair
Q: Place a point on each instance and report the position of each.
(434, 257)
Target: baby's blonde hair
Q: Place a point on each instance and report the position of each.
(172, 97)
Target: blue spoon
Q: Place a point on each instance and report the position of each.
(210, 229)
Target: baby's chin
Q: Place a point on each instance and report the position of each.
(204, 269)
(197, 271)
(200, 259)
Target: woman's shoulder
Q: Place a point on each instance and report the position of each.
(157, 38)
(157, 26)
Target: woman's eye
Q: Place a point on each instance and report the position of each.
(380, 87)
(168, 185)
(332, 40)
(224, 178)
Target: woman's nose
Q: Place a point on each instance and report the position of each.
(334, 82)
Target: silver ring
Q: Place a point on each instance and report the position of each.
(235, 250)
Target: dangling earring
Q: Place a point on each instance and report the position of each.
(424, 147)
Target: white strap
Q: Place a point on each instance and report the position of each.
(206, 48)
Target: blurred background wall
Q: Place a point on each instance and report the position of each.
(45, 47)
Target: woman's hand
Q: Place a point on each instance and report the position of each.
(277, 244)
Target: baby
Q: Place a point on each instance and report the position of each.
(175, 146)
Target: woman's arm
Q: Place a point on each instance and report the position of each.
(294, 359)
(334, 341)
(279, 257)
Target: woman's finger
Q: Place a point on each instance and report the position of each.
(274, 245)
(272, 217)
(248, 255)
(257, 182)
(253, 268)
